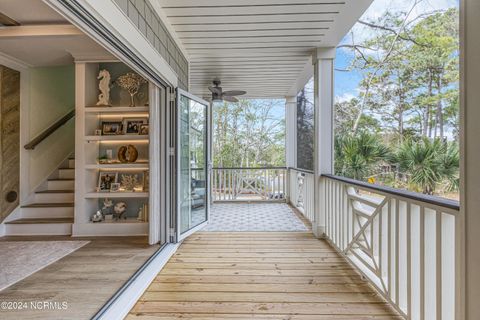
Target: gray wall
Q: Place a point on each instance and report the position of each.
(141, 13)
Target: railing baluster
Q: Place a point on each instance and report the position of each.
(438, 265)
(422, 263)
(409, 261)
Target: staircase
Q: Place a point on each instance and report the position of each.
(51, 211)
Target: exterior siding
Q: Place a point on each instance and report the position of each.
(144, 17)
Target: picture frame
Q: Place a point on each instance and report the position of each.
(132, 125)
(105, 180)
(98, 132)
(110, 128)
(115, 187)
(143, 129)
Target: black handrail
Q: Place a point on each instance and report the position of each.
(51, 129)
(441, 202)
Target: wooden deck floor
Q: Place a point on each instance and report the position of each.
(260, 275)
(85, 279)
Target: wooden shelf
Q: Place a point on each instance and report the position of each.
(99, 195)
(120, 221)
(120, 110)
(119, 166)
(120, 137)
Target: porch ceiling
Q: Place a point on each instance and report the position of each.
(260, 46)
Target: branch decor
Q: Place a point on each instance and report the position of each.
(131, 82)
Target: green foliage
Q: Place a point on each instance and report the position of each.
(249, 133)
(357, 156)
(428, 163)
(408, 101)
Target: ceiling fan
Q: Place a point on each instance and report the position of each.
(218, 95)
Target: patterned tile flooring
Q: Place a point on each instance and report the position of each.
(253, 217)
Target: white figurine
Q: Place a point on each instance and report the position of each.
(97, 217)
(104, 87)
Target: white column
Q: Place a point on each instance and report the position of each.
(323, 156)
(291, 131)
(470, 155)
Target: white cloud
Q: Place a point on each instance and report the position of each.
(344, 97)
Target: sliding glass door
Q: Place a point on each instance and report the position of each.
(192, 163)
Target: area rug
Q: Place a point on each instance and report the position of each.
(19, 259)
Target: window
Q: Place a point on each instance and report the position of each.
(305, 127)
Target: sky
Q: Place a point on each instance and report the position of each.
(346, 83)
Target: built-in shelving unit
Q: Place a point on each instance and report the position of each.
(97, 155)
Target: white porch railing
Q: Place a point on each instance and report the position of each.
(301, 192)
(249, 184)
(406, 244)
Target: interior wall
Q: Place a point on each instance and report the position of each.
(51, 96)
(9, 140)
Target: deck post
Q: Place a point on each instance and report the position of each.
(469, 222)
(291, 138)
(323, 150)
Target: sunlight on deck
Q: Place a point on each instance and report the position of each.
(259, 275)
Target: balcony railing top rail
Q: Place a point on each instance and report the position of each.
(441, 202)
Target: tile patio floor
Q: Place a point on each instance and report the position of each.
(244, 217)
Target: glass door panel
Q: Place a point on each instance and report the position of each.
(192, 167)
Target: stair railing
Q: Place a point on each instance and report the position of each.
(50, 130)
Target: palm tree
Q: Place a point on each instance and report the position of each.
(429, 163)
(357, 156)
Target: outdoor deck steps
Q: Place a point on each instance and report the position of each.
(40, 220)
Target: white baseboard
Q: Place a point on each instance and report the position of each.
(125, 302)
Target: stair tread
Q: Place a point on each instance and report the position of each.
(57, 179)
(56, 191)
(49, 205)
(40, 220)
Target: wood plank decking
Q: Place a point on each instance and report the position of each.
(259, 275)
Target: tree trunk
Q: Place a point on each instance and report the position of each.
(440, 107)
(426, 120)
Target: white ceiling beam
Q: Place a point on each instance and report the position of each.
(40, 31)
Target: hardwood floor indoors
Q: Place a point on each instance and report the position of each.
(84, 279)
(259, 275)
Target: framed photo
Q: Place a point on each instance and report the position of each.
(114, 187)
(98, 132)
(132, 125)
(146, 181)
(143, 129)
(105, 180)
(111, 128)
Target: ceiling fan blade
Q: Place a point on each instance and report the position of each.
(215, 90)
(230, 98)
(234, 93)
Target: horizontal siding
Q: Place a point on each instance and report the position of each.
(144, 17)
